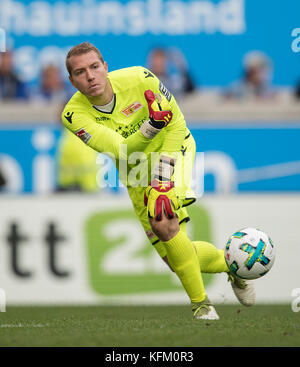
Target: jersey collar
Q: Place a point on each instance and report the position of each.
(98, 108)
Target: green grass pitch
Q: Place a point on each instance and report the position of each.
(149, 326)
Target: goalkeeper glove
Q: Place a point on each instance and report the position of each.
(159, 110)
(160, 196)
(160, 114)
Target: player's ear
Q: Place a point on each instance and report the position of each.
(71, 80)
(105, 66)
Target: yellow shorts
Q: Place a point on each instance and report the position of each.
(182, 180)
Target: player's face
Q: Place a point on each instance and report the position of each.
(89, 75)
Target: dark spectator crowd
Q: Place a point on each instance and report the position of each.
(169, 65)
(51, 87)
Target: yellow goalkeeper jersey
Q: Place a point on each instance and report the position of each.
(106, 132)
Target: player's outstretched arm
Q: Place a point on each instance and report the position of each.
(105, 140)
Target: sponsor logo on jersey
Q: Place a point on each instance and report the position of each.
(165, 91)
(83, 135)
(148, 74)
(102, 118)
(68, 116)
(128, 130)
(183, 149)
(128, 111)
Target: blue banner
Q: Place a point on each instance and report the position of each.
(213, 35)
(247, 159)
(264, 158)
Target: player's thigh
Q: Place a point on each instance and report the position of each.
(183, 171)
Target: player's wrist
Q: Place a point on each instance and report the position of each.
(156, 124)
(162, 186)
(164, 169)
(148, 130)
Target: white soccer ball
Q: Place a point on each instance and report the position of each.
(249, 253)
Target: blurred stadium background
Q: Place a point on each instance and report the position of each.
(233, 65)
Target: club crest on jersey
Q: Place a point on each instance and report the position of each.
(128, 111)
(83, 135)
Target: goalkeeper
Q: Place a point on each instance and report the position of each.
(128, 111)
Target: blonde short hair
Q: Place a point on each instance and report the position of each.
(80, 49)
